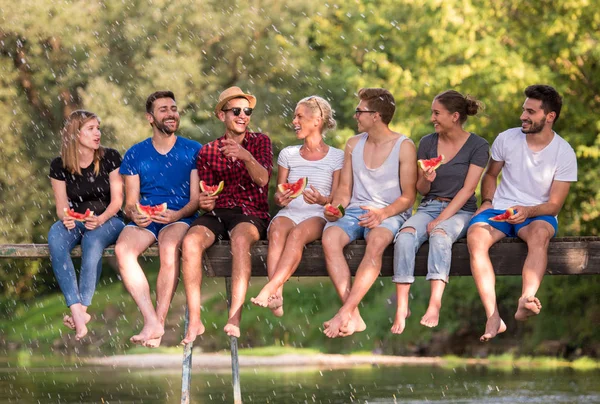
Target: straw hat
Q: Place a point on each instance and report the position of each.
(233, 92)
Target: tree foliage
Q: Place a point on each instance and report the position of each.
(107, 56)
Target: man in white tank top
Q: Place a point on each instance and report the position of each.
(377, 188)
(537, 167)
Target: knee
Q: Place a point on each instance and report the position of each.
(439, 236)
(376, 245)
(331, 244)
(539, 239)
(295, 239)
(123, 252)
(240, 243)
(192, 244)
(475, 244)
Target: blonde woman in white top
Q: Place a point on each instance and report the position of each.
(301, 219)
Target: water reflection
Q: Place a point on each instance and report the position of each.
(408, 384)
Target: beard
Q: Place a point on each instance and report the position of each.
(535, 127)
(165, 128)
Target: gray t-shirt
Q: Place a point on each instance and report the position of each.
(450, 176)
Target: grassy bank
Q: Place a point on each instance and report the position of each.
(565, 328)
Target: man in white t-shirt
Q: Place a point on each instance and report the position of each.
(538, 167)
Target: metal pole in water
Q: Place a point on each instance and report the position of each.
(186, 375)
(235, 364)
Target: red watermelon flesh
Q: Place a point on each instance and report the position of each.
(148, 210)
(337, 211)
(80, 217)
(431, 163)
(213, 190)
(503, 217)
(297, 187)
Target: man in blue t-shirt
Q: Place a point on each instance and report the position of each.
(160, 170)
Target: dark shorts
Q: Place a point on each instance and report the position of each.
(511, 230)
(222, 221)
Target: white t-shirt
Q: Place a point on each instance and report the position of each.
(319, 173)
(527, 176)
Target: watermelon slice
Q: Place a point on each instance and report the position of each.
(148, 210)
(431, 163)
(297, 187)
(80, 217)
(503, 216)
(213, 190)
(337, 211)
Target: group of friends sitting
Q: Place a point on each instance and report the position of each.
(170, 189)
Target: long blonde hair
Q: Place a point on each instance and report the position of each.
(69, 135)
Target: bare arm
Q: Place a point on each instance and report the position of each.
(116, 196)
(463, 195)
(423, 185)
(282, 199)
(489, 183)
(558, 194)
(132, 194)
(59, 188)
(192, 206)
(408, 179)
(343, 191)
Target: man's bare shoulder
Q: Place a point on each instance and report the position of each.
(353, 141)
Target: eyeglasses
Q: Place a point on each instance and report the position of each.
(237, 111)
(358, 111)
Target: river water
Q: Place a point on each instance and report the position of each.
(368, 384)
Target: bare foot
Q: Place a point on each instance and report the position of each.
(262, 299)
(192, 332)
(528, 306)
(493, 327)
(333, 326)
(152, 343)
(149, 332)
(431, 317)
(80, 319)
(400, 321)
(70, 323)
(276, 305)
(356, 324)
(233, 330)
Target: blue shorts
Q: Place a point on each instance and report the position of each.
(511, 230)
(349, 223)
(156, 228)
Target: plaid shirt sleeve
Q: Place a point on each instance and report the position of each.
(207, 158)
(264, 153)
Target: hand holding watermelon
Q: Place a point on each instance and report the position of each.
(430, 165)
(284, 198)
(333, 213)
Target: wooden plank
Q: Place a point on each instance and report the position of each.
(566, 256)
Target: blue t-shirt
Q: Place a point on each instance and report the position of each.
(163, 178)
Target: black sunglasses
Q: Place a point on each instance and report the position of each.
(237, 111)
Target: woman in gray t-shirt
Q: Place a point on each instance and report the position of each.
(448, 202)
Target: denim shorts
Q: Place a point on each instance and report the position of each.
(156, 228)
(511, 230)
(349, 223)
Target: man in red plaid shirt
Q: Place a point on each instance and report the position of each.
(243, 160)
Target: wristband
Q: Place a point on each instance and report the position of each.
(486, 200)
